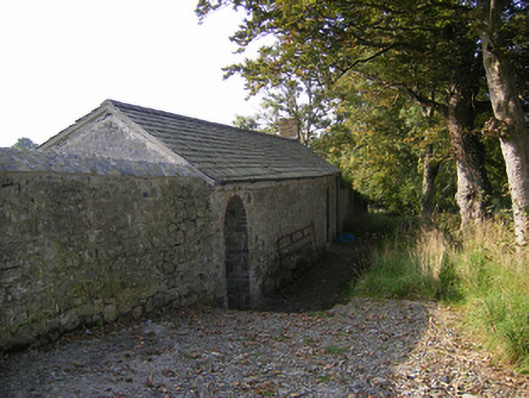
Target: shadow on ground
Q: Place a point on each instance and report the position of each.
(359, 348)
(324, 284)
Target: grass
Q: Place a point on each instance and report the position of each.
(377, 224)
(484, 275)
(334, 350)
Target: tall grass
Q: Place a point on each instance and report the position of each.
(484, 275)
(495, 277)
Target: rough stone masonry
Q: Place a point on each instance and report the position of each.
(84, 240)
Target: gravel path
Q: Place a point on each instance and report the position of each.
(364, 348)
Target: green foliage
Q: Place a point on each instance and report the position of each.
(246, 122)
(337, 68)
(496, 279)
(25, 143)
(495, 168)
(448, 283)
(350, 76)
(285, 92)
(380, 147)
(334, 350)
(404, 269)
(409, 47)
(383, 76)
(486, 278)
(395, 275)
(378, 224)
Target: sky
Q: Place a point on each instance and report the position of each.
(59, 59)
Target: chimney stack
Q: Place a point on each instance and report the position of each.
(289, 128)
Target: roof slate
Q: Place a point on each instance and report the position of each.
(226, 153)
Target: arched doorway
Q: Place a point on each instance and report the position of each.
(236, 255)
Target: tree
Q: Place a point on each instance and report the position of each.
(286, 94)
(24, 143)
(420, 49)
(248, 122)
(503, 27)
(386, 147)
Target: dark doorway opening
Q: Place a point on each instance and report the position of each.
(236, 255)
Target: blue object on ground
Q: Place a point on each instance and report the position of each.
(345, 238)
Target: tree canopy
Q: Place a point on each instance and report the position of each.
(24, 143)
(428, 55)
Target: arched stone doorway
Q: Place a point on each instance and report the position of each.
(236, 255)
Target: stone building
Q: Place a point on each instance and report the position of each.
(227, 216)
(274, 202)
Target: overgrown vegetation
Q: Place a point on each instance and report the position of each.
(484, 275)
(408, 99)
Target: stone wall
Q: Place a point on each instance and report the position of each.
(87, 239)
(275, 210)
(82, 248)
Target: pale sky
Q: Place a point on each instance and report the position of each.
(59, 59)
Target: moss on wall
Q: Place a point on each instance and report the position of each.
(79, 249)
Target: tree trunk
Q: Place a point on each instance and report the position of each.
(514, 149)
(508, 110)
(472, 183)
(431, 169)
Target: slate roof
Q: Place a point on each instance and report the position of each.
(226, 153)
(222, 153)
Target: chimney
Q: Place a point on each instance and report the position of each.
(289, 128)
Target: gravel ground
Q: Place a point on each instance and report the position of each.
(364, 348)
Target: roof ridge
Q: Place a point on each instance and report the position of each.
(190, 118)
(220, 153)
